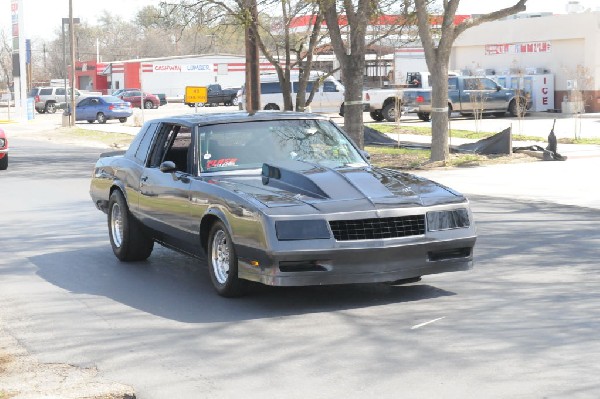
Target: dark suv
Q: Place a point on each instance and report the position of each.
(48, 99)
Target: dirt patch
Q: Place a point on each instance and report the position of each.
(22, 376)
(418, 162)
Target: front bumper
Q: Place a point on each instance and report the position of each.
(360, 265)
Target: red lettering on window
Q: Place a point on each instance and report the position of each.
(545, 100)
(212, 163)
(544, 90)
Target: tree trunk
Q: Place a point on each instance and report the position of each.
(353, 108)
(437, 49)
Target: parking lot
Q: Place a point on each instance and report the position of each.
(534, 124)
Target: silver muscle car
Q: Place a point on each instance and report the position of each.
(279, 198)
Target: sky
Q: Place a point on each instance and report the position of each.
(42, 17)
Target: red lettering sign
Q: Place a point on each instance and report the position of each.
(544, 90)
(217, 163)
(545, 100)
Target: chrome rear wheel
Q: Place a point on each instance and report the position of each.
(116, 225)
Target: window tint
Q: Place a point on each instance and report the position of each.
(144, 145)
(488, 84)
(270, 88)
(60, 91)
(180, 140)
(45, 92)
(452, 83)
(470, 84)
(309, 86)
(164, 138)
(84, 102)
(248, 145)
(329, 86)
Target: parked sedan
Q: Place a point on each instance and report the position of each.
(137, 98)
(102, 108)
(3, 151)
(280, 198)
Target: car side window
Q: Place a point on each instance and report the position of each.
(172, 143)
(452, 83)
(309, 86)
(84, 102)
(179, 148)
(329, 87)
(144, 144)
(270, 88)
(488, 84)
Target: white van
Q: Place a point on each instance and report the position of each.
(328, 99)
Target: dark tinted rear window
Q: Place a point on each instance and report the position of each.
(309, 87)
(270, 88)
(45, 92)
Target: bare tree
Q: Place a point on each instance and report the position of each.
(348, 22)
(5, 60)
(437, 46)
(284, 48)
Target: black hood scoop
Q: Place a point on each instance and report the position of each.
(293, 180)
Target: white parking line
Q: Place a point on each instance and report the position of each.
(427, 322)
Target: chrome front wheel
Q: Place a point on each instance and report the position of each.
(220, 257)
(223, 262)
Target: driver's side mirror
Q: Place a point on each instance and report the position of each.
(498, 87)
(168, 167)
(365, 154)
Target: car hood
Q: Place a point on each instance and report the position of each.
(334, 190)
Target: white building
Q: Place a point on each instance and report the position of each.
(167, 75)
(566, 46)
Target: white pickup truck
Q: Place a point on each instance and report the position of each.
(384, 103)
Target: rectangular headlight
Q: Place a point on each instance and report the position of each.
(302, 230)
(446, 220)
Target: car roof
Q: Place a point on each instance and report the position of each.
(237, 116)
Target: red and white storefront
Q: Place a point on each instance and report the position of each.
(168, 75)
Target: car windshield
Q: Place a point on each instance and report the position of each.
(248, 145)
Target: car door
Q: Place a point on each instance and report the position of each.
(83, 110)
(496, 99)
(134, 97)
(479, 95)
(331, 97)
(164, 196)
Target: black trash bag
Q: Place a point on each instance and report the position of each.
(499, 143)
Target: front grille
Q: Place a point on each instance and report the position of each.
(371, 229)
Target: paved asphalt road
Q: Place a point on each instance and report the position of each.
(523, 324)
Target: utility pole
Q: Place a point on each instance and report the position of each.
(252, 59)
(72, 31)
